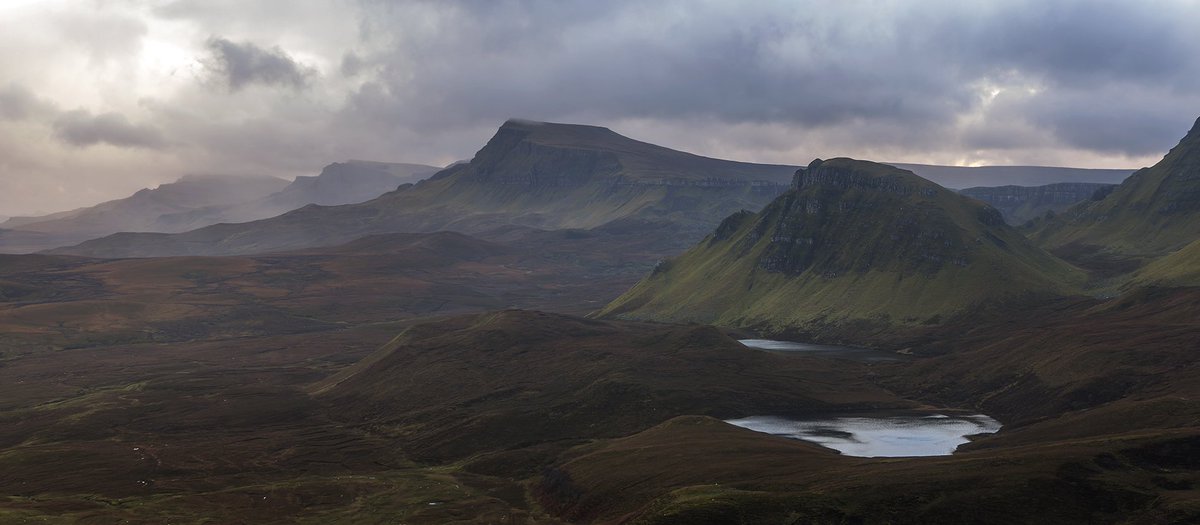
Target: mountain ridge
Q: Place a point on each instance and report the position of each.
(547, 175)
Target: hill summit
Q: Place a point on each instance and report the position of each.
(851, 242)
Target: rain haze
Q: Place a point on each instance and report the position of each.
(101, 98)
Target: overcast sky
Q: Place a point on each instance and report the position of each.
(101, 97)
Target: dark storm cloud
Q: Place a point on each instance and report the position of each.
(616, 60)
(81, 129)
(911, 67)
(240, 64)
(1075, 42)
(300, 83)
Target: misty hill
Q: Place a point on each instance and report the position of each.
(145, 210)
(198, 201)
(974, 176)
(853, 243)
(347, 182)
(142, 210)
(1154, 212)
(533, 174)
(1020, 204)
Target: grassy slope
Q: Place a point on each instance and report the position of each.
(863, 271)
(1181, 268)
(1154, 212)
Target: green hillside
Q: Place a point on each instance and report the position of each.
(852, 242)
(1154, 212)
(1181, 268)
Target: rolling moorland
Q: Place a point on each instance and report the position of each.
(557, 359)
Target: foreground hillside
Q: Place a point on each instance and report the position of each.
(853, 244)
(532, 174)
(528, 417)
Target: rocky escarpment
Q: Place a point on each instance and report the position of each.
(850, 242)
(1020, 204)
(807, 229)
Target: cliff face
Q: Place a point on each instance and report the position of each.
(852, 241)
(1154, 212)
(1021, 204)
(824, 225)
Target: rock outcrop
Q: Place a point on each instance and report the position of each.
(851, 242)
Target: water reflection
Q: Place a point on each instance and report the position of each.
(842, 352)
(896, 436)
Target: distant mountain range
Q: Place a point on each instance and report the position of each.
(196, 201)
(532, 174)
(854, 245)
(958, 177)
(541, 175)
(151, 209)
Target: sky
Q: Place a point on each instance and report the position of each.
(99, 98)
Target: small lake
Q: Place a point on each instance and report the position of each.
(871, 437)
(840, 352)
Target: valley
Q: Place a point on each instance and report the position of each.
(667, 339)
